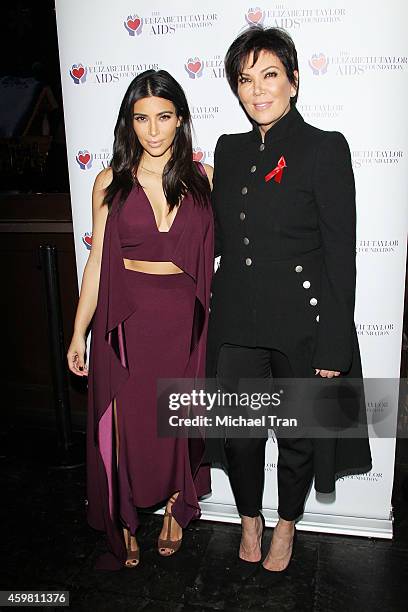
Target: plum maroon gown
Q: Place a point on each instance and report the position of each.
(145, 327)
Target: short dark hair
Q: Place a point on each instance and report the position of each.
(256, 39)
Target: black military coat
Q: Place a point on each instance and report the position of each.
(285, 220)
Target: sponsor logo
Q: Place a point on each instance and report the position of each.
(158, 24)
(133, 25)
(375, 329)
(199, 155)
(87, 240)
(203, 155)
(194, 67)
(321, 111)
(204, 112)
(107, 74)
(84, 159)
(318, 63)
(93, 159)
(369, 477)
(211, 67)
(370, 157)
(345, 64)
(289, 15)
(377, 246)
(78, 73)
(255, 16)
(377, 407)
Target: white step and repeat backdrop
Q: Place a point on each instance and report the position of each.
(353, 78)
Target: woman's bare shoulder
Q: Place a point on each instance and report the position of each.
(209, 170)
(103, 179)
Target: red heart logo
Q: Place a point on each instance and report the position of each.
(133, 24)
(194, 66)
(198, 155)
(318, 62)
(256, 16)
(88, 240)
(78, 73)
(84, 158)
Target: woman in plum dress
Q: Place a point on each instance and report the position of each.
(145, 291)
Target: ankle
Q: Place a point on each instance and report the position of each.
(130, 540)
(284, 525)
(171, 501)
(249, 522)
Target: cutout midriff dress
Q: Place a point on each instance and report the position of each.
(147, 327)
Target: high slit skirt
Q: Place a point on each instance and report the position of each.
(157, 342)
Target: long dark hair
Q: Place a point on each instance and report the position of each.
(180, 174)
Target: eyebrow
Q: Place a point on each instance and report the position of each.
(169, 112)
(264, 70)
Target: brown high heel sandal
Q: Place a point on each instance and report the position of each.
(133, 556)
(172, 545)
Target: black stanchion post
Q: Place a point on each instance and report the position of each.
(48, 254)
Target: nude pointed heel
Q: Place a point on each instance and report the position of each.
(172, 545)
(270, 577)
(249, 568)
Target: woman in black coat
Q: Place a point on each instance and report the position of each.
(283, 297)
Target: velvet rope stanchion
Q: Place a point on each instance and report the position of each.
(69, 454)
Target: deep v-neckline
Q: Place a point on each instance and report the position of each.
(154, 216)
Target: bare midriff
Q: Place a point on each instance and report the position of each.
(152, 267)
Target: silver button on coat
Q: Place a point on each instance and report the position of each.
(306, 284)
(242, 216)
(253, 168)
(313, 301)
(248, 261)
(262, 147)
(298, 269)
(244, 190)
(246, 241)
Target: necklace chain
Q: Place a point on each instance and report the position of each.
(151, 171)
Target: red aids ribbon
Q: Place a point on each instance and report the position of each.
(277, 172)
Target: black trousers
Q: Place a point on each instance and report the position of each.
(246, 456)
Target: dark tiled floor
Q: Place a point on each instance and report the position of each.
(47, 544)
